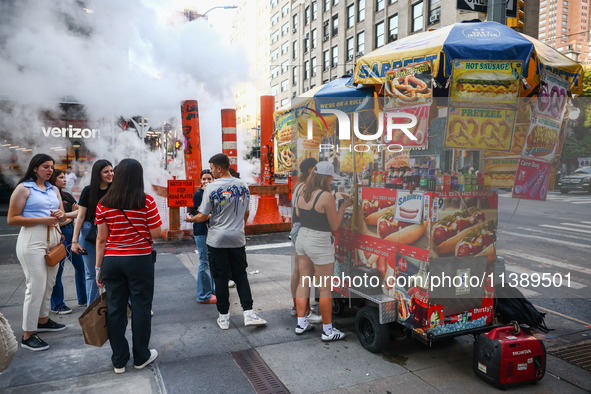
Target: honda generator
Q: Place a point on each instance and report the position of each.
(509, 356)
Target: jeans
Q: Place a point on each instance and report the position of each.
(92, 291)
(129, 277)
(226, 263)
(204, 281)
(57, 295)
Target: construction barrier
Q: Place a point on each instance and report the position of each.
(270, 211)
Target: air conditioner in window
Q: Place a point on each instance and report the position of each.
(314, 74)
(306, 36)
(392, 37)
(326, 23)
(434, 18)
(326, 38)
(360, 53)
(294, 30)
(334, 64)
(350, 57)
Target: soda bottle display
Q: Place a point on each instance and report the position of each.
(390, 178)
(439, 181)
(475, 182)
(431, 182)
(454, 181)
(423, 181)
(460, 177)
(446, 182)
(480, 181)
(467, 182)
(398, 178)
(406, 179)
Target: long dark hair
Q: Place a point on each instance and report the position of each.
(35, 162)
(95, 186)
(65, 196)
(315, 182)
(127, 190)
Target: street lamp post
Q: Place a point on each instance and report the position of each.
(225, 7)
(76, 146)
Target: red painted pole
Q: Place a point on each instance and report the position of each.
(229, 144)
(190, 123)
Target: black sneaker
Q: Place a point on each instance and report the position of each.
(62, 310)
(34, 343)
(50, 325)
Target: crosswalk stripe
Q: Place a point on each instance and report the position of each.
(536, 230)
(582, 202)
(543, 260)
(577, 225)
(527, 293)
(519, 270)
(565, 228)
(271, 246)
(546, 239)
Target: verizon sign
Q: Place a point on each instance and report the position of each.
(70, 132)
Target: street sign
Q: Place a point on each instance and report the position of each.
(511, 10)
(180, 193)
(472, 5)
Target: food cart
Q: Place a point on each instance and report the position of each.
(418, 247)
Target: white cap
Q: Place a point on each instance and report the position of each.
(325, 168)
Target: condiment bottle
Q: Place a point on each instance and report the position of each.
(460, 177)
(390, 178)
(398, 178)
(446, 182)
(454, 181)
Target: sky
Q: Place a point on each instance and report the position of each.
(122, 58)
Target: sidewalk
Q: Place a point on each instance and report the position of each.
(196, 356)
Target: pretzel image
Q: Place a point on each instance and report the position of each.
(407, 88)
(286, 157)
(495, 138)
(456, 136)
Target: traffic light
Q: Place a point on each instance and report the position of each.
(177, 145)
(517, 22)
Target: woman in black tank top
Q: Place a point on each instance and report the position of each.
(319, 217)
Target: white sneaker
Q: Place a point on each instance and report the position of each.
(231, 283)
(335, 335)
(299, 330)
(224, 321)
(119, 370)
(314, 318)
(251, 319)
(153, 356)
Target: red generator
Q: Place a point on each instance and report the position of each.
(509, 356)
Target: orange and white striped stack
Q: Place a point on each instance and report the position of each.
(229, 144)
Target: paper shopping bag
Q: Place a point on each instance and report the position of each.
(94, 322)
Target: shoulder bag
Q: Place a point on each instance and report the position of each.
(56, 254)
(154, 253)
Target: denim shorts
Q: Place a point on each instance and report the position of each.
(317, 245)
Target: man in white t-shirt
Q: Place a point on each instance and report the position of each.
(225, 203)
(71, 179)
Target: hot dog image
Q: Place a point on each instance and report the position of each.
(393, 230)
(451, 229)
(374, 209)
(479, 241)
(486, 84)
(408, 213)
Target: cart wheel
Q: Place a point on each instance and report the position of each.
(372, 335)
(338, 306)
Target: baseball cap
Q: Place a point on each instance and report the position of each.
(308, 163)
(325, 168)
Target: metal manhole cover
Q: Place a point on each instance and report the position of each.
(258, 373)
(578, 354)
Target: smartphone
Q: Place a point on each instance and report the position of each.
(84, 252)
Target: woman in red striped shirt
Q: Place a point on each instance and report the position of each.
(127, 220)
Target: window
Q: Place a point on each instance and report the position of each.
(314, 10)
(326, 28)
(434, 15)
(326, 60)
(285, 67)
(313, 66)
(275, 19)
(285, 29)
(417, 16)
(335, 2)
(307, 16)
(335, 56)
(543, 15)
(326, 5)
(274, 72)
(275, 36)
(306, 45)
(295, 49)
(360, 43)
(284, 102)
(284, 85)
(541, 35)
(274, 3)
(285, 10)
(285, 47)
(274, 90)
(379, 5)
(542, 9)
(393, 28)
(335, 25)
(379, 34)
(306, 69)
(350, 16)
(314, 37)
(275, 54)
(360, 10)
(350, 48)
(295, 76)
(295, 23)
(564, 29)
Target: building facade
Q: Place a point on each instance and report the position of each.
(315, 41)
(565, 26)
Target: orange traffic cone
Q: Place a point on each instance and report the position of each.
(267, 210)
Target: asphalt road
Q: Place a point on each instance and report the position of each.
(551, 237)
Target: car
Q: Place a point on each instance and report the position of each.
(580, 180)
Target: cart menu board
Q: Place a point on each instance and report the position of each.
(542, 139)
(553, 95)
(408, 86)
(531, 181)
(479, 128)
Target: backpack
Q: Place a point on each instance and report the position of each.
(511, 305)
